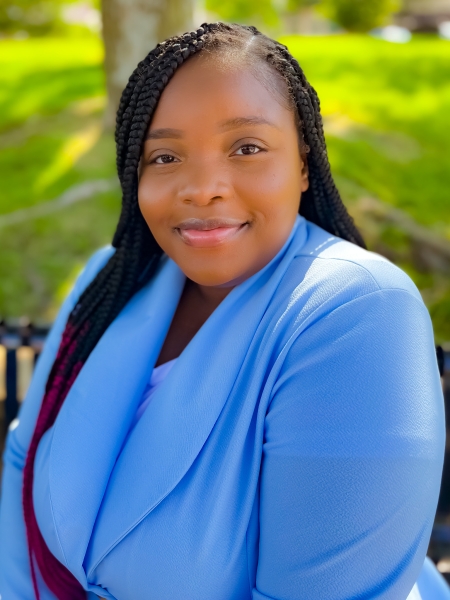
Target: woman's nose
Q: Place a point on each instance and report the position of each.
(203, 185)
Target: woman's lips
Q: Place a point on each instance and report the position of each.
(212, 232)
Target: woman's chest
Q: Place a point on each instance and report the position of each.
(200, 541)
(173, 505)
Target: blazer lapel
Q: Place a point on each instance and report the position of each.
(94, 420)
(183, 411)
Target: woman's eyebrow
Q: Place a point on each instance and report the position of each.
(227, 124)
(243, 121)
(167, 132)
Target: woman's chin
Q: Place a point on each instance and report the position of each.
(215, 279)
(217, 266)
(214, 275)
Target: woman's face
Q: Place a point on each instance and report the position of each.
(221, 173)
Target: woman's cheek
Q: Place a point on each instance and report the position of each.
(275, 173)
(268, 190)
(152, 197)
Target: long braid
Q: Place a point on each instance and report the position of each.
(136, 257)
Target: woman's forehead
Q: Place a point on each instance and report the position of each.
(203, 90)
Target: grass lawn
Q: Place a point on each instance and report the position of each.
(387, 115)
(51, 102)
(387, 107)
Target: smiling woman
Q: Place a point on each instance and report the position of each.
(232, 403)
(227, 176)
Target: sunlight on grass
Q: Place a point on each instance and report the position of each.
(31, 54)
(73, 149)
(399, 91)
(43, 75)
(89, 106)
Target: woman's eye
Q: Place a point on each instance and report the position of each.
(248, 149)
(164, 159)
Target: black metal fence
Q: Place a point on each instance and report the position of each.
(21, 343)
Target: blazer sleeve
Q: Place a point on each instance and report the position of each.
(15, 575)
(352, 457)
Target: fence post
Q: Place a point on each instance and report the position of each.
(11, 402)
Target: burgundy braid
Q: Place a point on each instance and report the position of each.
(55, 575)
(136, 257)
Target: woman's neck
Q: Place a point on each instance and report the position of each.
(210, 297)
(196, 305)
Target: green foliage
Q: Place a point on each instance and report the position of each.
(262, 13)
(296, 5)
(360, 15)
(248, 12)
(440, 314)
(37, 17)
(34, 17)
(353, 15)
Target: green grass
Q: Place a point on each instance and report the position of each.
(386, 110)
(51, 109)
(43, 76)
(387, 115)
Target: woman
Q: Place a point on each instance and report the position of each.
(294, 447)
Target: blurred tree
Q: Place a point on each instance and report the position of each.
(301, 17)
(360, 15)
(131, 28)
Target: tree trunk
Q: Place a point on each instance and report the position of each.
(131, 28)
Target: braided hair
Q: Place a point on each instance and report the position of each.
(135, 259)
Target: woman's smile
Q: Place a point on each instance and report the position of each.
(204, 233)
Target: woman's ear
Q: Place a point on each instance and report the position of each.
(304, 174)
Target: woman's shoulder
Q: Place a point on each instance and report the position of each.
(328, 273)
(329, 262)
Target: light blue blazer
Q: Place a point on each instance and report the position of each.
(294, 452)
